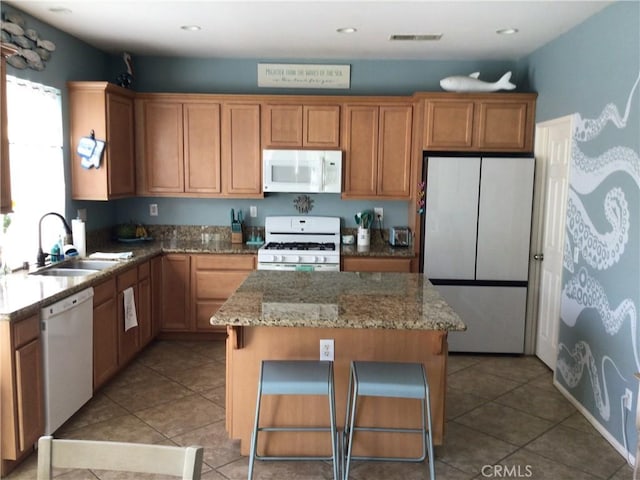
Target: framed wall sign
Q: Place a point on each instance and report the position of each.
(289, 75)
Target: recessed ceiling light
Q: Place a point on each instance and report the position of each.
(424, 37)
(346, 30)
(507, 31)
(191, 28)
(60, 10)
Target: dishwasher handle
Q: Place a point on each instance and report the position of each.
(66, 304)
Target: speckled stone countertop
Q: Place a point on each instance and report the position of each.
(338, 300)
(22, 294)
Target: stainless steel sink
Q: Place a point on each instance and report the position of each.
(79, 267)
(85, 264)
(65, 272)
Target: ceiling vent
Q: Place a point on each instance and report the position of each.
(427, 37)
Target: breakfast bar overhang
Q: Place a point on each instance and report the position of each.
(370, 316)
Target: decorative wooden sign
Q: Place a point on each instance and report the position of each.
(285, 75)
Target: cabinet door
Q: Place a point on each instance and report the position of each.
(175, 293)
(143, 304)
(283, 126)
(394, 151)
(448, 125)
(29, 381)
(321, 126)
(129, 340)
(361, 151)
(163, 147)
(504, 126)
(105, 333)
(120, 146)
(202, 148)
(241, 154)
(156, 295)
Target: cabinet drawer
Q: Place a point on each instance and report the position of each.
(217, 285)
(127, 279)
(104, 291)
(224, 262)
(26, 330)
(359, 264)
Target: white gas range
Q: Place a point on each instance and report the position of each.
(301, 243)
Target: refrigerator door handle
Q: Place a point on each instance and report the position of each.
(539, 256)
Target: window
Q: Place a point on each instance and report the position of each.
(34, 122)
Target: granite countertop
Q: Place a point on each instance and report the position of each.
(22, 294)
(338, 300)
(377, 250)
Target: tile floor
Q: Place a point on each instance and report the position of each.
(501, 410)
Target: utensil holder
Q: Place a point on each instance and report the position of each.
(364, 237)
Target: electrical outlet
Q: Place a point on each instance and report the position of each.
(628, 398)
(379, 211)
(153, 209)
(253, 211)
(326, 349)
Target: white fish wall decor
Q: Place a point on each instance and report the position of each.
(473, 84)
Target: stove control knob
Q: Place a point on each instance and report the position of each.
(320, 259)
(277, 258)
(295, 259)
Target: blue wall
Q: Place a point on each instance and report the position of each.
(590, 72)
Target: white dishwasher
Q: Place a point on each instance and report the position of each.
(67, 333)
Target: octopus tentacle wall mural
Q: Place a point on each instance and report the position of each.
(602, 241)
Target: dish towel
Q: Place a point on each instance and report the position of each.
(111, 256)
(130, 317)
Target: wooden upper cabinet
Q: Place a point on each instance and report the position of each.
(377, 143)
(448, 124)
(483, 123)
(202, 148)
(108, 111)
(241, 152)
(178, 147)
(296, 126)
(394, 151)
(505, 125)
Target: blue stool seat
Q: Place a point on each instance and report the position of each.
(388, 379)
(295, 377)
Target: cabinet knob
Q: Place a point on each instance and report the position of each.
(539, 256)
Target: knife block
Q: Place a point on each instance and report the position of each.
(236, 237)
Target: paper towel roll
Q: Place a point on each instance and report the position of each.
(78, 230)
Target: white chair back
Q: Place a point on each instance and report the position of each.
(182, 462)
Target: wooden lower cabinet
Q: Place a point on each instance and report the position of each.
(214, 278)
(175, 293)
(144, 304)
(21, 389)
(376, 264)
(105, 332)
(128, 340)
(195, 286)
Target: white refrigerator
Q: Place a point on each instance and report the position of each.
(477, 226)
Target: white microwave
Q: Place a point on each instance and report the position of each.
(304, 171)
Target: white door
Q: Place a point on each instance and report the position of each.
(553, 153)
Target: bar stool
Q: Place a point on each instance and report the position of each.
(388, 379)
(295, 377)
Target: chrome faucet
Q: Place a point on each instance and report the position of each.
(67, 238)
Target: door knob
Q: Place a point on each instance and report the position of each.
(539, 256)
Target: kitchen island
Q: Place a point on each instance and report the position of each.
(370, 316)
